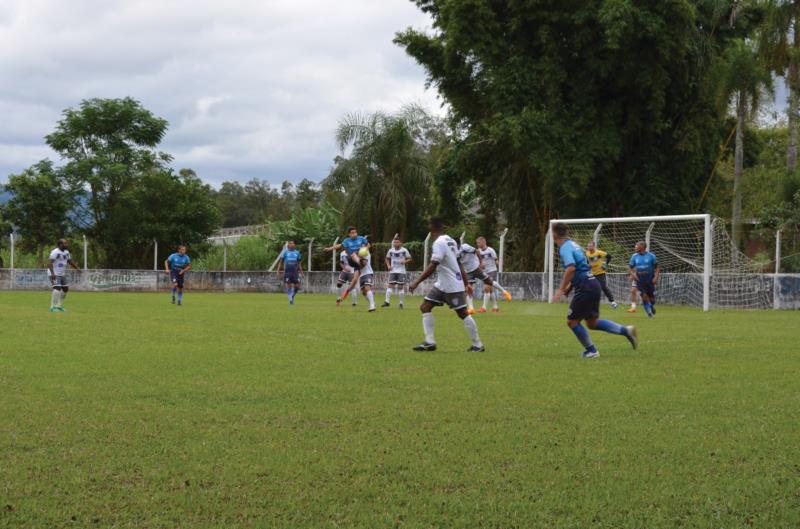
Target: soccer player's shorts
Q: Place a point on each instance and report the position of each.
(60, 282)
(397, 279)
(176, 277)
(291, 277)
(646, 286)
(344, 277)
(634, 284)
(454, 300)
(355, 265)
(585, 304)
(365, 281)
(492, 275)
(477, 275)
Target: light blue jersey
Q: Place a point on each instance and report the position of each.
(291, 259)
(178, 262)
(354, 245)
(573, 255)
(644, 264)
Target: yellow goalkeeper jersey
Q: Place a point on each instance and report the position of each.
(597, 259)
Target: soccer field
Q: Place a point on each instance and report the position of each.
(237, 410)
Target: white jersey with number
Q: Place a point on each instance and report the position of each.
(366, 267)
(344, 260)
(445, 252)
(60, 259)
(468, 256)
(398, 258)
(489, 259)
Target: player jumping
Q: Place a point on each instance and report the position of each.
(397, 258)
(585, 303)
(292, 270)
(468, 256)
(451, 287)
(352, 244)
(344, 279)
(176, 266)
(645, 272)
(599, 260)
(57, 266)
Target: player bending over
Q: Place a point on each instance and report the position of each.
(488, 265)
(176, 266)
(397, 258)
(57, 266)
(469, 259)
(645, 272)
(585, 303)
(599, 260)
(344, 279)
(366, 279)
(451, 287)
(292, 270)
(352, 244)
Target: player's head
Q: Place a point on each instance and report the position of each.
(590, 246)
(436, 226)
(481, 242)
(641, 247)
(397, 243)
(291, 244)
(352, 232)
(182, 250)
(63, 244)
(560, 232)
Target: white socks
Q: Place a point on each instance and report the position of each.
(633, 305)
(354, 296)
(402, 295)
(472, 329)
(388, 294)
(56, 298)
(494, 299)
(469, 303)
(427, 327)
(371, 299)
(486, 297)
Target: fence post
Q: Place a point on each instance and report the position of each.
(425, 253)
(85, 253)
(502, 250)
(708, 256)
(546, 267)
(461, 239)
(155, 254)
(333, 253)
(776, 285)
(224, 255)
(310, 246)
(11, 236)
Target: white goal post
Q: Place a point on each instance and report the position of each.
(700, 265)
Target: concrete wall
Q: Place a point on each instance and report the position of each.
(679, 289)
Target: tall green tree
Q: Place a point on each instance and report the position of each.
(38, 207)
(579, 107)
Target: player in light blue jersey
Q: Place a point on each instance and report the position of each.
(176, 266)
(292, 269)
(586, 291)
(645, 272)
(352, 244)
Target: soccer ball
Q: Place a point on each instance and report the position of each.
(363, 252)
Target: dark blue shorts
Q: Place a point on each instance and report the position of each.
(645, 286)
(356, 265)
(176, 277)
(585, 304)
(291, 277)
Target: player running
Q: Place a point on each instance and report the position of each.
(468, 256)
(352, 244)
(599, 261)
(397, 258)
(585, 303)
(57, 266)
(365, 280)
(176, 266)
(292, 269)
(344, 279)
(489, 262)
(451, 287)
(645, 272)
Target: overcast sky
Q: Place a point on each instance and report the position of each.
(251, 88)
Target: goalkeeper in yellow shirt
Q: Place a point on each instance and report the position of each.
(598, 259)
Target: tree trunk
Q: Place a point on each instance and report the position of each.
(736, 221)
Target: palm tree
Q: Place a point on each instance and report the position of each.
(741, 79)
(388, 174)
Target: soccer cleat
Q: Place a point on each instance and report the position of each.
(425, 346)
(614, 305)
(53, 309)
(507, 295)
(179, 303)
(401, 306)
(650, 315)
(653, 309)
(482, 310)
(630, 334)
(496, 309)
(173, 301)
(61, 309)
(631, 310)
(385, 304)
(354, 304)
(372, 309)
(591, 354)
(476, 349)
(338, 302)
(470, 311)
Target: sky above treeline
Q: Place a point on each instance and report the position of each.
(251, 88)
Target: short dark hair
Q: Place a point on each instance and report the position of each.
(437, 222)
(291, 240)
(560, 230)
(351, 228)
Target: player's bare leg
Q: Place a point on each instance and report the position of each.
(634, 293)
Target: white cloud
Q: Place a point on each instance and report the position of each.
(251, 88)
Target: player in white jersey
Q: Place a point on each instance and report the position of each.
(365, 280)
(468, 255)
(57, 266)
(489, 261)
(397, 258)
(344, 279)
(451, 287)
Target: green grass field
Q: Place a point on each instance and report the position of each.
(240, 411)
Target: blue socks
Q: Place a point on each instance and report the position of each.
(610, 326)
(583, 336)
(180, 296)
(173, 293)
(648, 308)
(290, 293)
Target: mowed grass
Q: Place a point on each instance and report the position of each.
(237, 410)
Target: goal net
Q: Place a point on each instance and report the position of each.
(699, 264)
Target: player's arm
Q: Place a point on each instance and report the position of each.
(566, 281)
(50, 268)
(388, 262)
(74, 265)
(464, 278)
(658, 274)
(186, 268)
(334, 247)
(166, 266)
(423, 276)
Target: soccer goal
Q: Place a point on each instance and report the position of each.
(699, 264)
